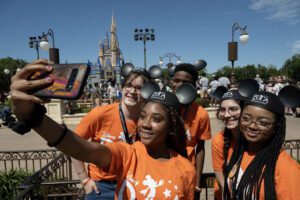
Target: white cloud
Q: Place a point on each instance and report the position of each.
(296, 47)
(279, 10)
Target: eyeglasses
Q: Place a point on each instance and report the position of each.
(262, 124)
(176, 80)
(128, 87)
(234, 110)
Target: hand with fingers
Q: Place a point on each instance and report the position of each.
(21, 85)
(89, 185)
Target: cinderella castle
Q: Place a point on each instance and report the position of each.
(110, 58)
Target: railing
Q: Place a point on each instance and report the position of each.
(54, 180)
(28, 160)
(58, 173)
(293, 148)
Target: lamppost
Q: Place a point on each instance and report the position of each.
(42, 41)
(144, 35)
(233, 49)
(34, 43)
(169, 55)
(53, 52)
(8, 73)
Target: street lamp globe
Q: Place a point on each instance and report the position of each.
(178, 61)
(6, 71)
(160, 62)
(45, 45)
(244, 37)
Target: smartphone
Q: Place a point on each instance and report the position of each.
(69, 81)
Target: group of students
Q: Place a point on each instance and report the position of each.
(248, 159)
(161, 155)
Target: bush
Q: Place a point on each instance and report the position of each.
(10, 180)
(203, 102)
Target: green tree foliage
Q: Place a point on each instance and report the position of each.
(291, 68)
(12, 65)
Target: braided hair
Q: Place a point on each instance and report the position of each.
(261, 168)
(176, 139)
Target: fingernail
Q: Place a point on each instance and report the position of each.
(49, 67)
(49, 79)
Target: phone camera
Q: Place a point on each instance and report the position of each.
(72, 79)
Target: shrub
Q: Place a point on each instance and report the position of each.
(10, 180)
(203, 102)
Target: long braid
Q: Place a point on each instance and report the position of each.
(177, 137)
(227, 144)
(261, 168)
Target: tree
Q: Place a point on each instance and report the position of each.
(291, 68)
(12, 65)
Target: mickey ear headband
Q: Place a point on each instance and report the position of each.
(246, 88)
(185, 94)
(199, 65)
(290, 96)
(153, 73)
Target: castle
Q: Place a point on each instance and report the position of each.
(110, 58)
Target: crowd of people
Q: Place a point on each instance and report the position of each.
(154, 147)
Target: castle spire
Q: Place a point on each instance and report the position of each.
(113, 24)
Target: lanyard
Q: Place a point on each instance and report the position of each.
(125, 130)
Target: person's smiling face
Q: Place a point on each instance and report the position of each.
(181, 77)
(257, 124)
(154, 125)
(229, 113)
(132, 91)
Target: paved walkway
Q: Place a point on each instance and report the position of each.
(10, 141)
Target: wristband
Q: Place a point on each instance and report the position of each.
(198, 189)
(84, 181)
(22, 127)
(61, 137)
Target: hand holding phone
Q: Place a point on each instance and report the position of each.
(68, 81)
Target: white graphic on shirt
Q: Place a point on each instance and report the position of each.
(126, 183)
(167, 193)
(152, 185)
(108, 138)
(150, 192)
(188, 135)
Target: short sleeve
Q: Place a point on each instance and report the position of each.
(121, 153)
(217, 151)
(287, 178)
(88, 125)
(204, 127)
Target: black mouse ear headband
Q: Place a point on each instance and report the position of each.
(185, 93)
(154, 71)
(198, 65)
(290, 96)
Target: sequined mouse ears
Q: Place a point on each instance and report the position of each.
(154, 71)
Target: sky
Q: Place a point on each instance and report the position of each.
(192, 29)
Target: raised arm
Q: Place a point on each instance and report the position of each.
(24, 109)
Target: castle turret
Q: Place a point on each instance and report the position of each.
(113, 42)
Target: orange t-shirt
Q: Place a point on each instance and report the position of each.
(218, 159)
(197, 125)
(140, 176)
(103, 125)
(287, 176)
